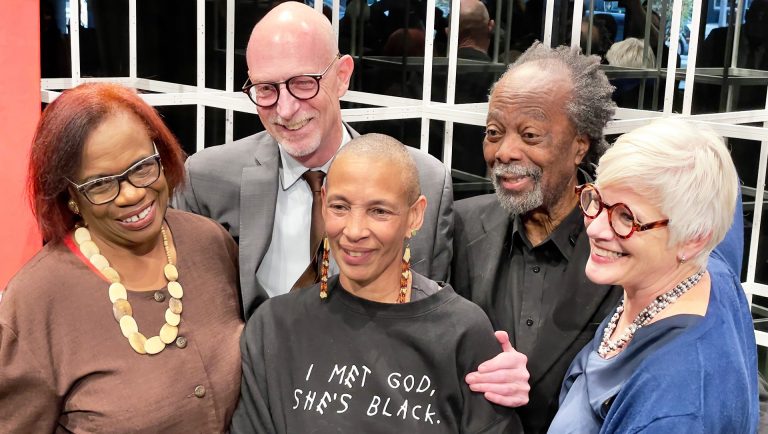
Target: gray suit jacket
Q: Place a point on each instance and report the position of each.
(237, 184)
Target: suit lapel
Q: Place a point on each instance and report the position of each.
(576, 310)
(486, 252)
(258, 196)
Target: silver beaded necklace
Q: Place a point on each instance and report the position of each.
(644, 317)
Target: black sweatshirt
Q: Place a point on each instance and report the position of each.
(350, 365)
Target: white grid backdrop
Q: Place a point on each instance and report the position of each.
(383, 107)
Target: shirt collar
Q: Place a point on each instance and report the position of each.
(291, 170)
(564, 236)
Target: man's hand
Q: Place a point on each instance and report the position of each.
(503, 379)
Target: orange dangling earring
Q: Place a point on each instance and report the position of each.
(324, 270)
(406, 273)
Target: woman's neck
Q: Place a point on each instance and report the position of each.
(694, 301)
(385, 289)
(140, 269)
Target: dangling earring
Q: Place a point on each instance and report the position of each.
(73, 206)
(682, 259)
(406, 273)
(324, 270)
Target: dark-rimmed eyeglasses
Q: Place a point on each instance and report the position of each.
(301, 87)
(104, 190)
(620, 217)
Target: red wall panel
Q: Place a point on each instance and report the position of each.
(19, 113)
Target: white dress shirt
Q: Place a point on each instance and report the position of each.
(288, 253)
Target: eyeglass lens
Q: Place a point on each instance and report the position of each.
(300, 87)
(621, 219)
(141, 175)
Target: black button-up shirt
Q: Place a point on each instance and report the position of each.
(538, 269)
(541, 296)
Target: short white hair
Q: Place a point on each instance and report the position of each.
(683, 169)
(629, 53)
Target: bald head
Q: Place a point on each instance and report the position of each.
(293, 40)
(474, 23)
(286, 28)
(382, 148)
(473, 11)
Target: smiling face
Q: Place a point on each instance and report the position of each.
(640, 261)
(133, 219)
(531, 146)
(292, 40)
(367, 219)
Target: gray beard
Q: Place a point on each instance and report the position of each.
(514, 203)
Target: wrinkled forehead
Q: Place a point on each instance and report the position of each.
(277, 67)
(536, 75)
(532, 94)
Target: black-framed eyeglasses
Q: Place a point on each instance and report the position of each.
(620, 217)
(302, 87)
(104, 190)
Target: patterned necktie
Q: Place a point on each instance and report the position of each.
(311, 274)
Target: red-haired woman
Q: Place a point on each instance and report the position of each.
(128, 319)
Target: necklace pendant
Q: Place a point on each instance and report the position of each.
(154, 345)
(168, 333)
(137, 341)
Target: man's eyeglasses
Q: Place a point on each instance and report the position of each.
(302, 87)
(620, 217)
(103, 190)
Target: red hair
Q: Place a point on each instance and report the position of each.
(58, 147)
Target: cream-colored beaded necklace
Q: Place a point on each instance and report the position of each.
(118, 295)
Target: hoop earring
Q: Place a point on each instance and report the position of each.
(73, 207)
(324, 270)
(406, 273)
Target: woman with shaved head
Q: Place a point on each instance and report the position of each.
(377, 348)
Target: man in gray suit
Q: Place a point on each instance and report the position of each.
(255, 188)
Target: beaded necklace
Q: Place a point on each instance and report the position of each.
(121, 308)
(644, 317)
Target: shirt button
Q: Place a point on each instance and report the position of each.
(529, 322)
(181, 342)
(200, 391)
(159, 296)
(536, 269)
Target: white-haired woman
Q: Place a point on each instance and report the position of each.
(679, 353)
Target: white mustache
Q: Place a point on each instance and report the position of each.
(502, 170)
